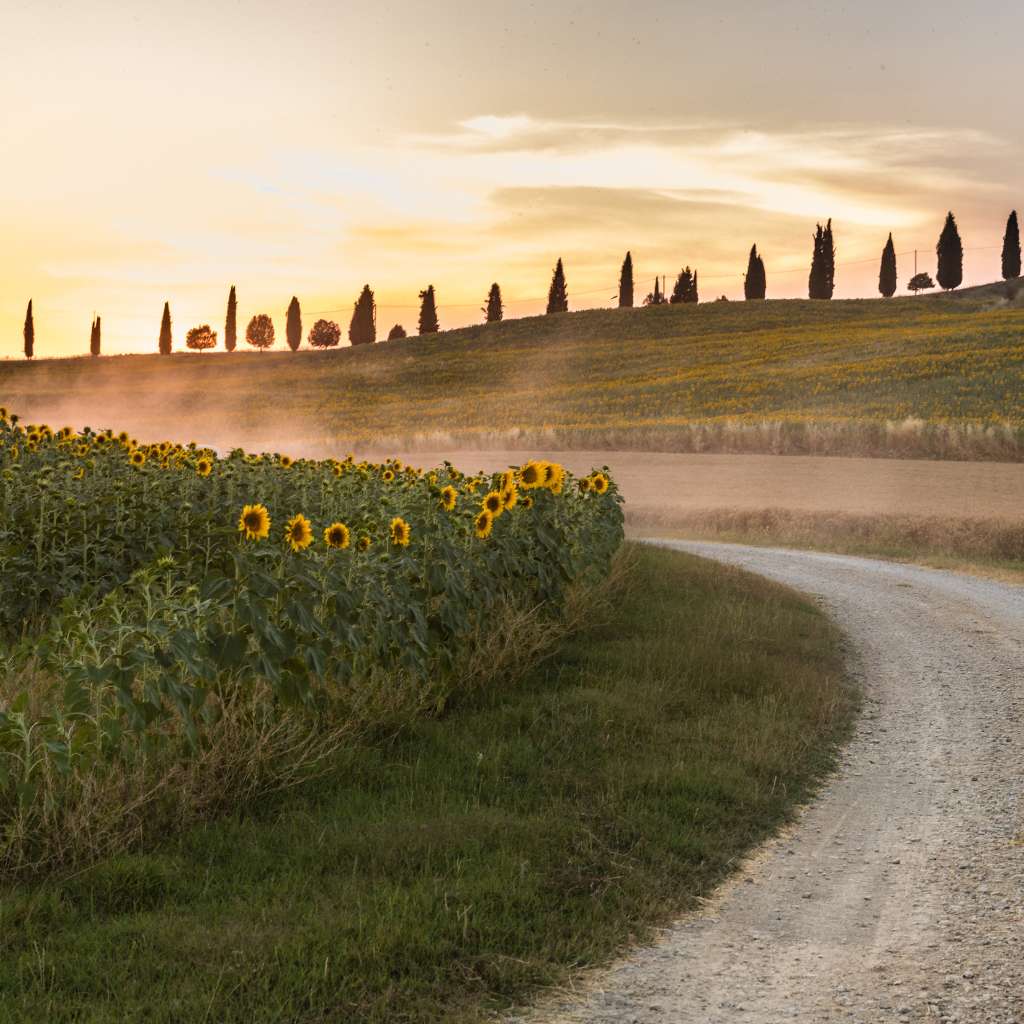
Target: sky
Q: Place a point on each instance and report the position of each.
(165, 151)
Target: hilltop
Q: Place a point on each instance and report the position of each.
(935, 375)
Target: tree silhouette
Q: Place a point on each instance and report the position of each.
(755, 285)
(428, 312)
(324, 334)
(363, 328)
(165, 331)
(94, 338)
(494, 310)
(919, 281)
(657, 297)
(293, 325)
(829, 257)
(29, 332)
(626, 282)
(260, 332)
(950, 252)
(231, 323)
(685, 289)
(397, 333)
(821, 282)
(887, 270)
(201, 338)
(558, 296)
(1011, 248)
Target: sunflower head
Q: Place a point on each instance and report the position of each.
(204, 466)
(509, 497)
(65, 432)
(527, 500)
(493, 503)
(599, 483)
(448, 497)
(387, 476)
(137, 457)
(254, 522)
(337, 535)
(287, 462)
(483, 524)
(583, 484)
(298, 532)
(400, 532)
(531, 475)
(363, 544)
(337, 469)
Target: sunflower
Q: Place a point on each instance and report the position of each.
(552, 471)
(483, 524)
(583, 484)
(34, 437)
(509, 497)
(78, 473)
(400, 532)
(337, 535)
(338, 469)
(508, 479)
(254, 522)
(432, 479)
(286, 462)
(448, 498)
(363, 544)
(65, 432)
(493, 504)
(531, 475)
(137, 457)
(527, 500)
(298, 532)
(204, 467)
(599, 483)
(387, 476)
(123, 437)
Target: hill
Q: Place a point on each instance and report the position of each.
(933, 376)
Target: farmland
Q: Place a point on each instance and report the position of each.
(931, 377)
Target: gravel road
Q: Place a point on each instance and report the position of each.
(899, 894)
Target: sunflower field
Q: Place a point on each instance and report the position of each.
(144, 582)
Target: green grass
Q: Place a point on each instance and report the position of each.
(775, 376)
(449, 871)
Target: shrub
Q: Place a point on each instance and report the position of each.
(201, 338)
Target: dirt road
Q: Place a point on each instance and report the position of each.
(899, 894)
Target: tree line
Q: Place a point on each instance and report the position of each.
(259, 334)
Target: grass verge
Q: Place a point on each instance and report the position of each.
(448, 871)
(993, 548)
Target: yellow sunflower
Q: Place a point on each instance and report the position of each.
(527, 500)
(286, 462)
(599, 483)
(254, 522)
(337, 535)
(493, 504)
(483, 524)
(65, 432)
(509, 497)
(123, 437)
(204, 467)
(508, 479)
(298, 532)
(137, 458)
(448, 498)
(531, 475)
(78, 473)
(338, 469)
(400, 532)
(583, 484)
(387, 476)
(363, 544)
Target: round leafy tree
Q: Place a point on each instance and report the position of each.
(919, 281)
(325, 334)
(396, 332)
(201, 338)
(260, 332)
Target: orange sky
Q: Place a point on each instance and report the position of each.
(167, 154)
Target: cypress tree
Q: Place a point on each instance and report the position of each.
(94, 338)
(165, 331)
(814, 279)
(657, 297)
(754, 284)
(626, 282)
(363, 328)
(950, 252)
(494, 311)
(887, 270)
(684, 282)
(428, 312)
(828, 253)
(1011, 248)
(231, 323)
(29, 332)
(558, 296)
(692, 294)
(293, 325)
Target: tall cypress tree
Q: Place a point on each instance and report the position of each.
(657, 297)
(755, 285)
(558, 296)
(29, 332)
(1011, 248)
(626, 282)
(494, 310)
(94, 338)
(692, 296)
(887, 270)
(950, 253)
(682, 287)
(815, 279)
(828, 253)
(293, 325)
(428, 311)
(231, 323)
(363, 328)
(165, 331)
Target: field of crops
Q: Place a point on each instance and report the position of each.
(936, 377)
(156, 595)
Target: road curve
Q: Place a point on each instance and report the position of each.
(899, 893)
